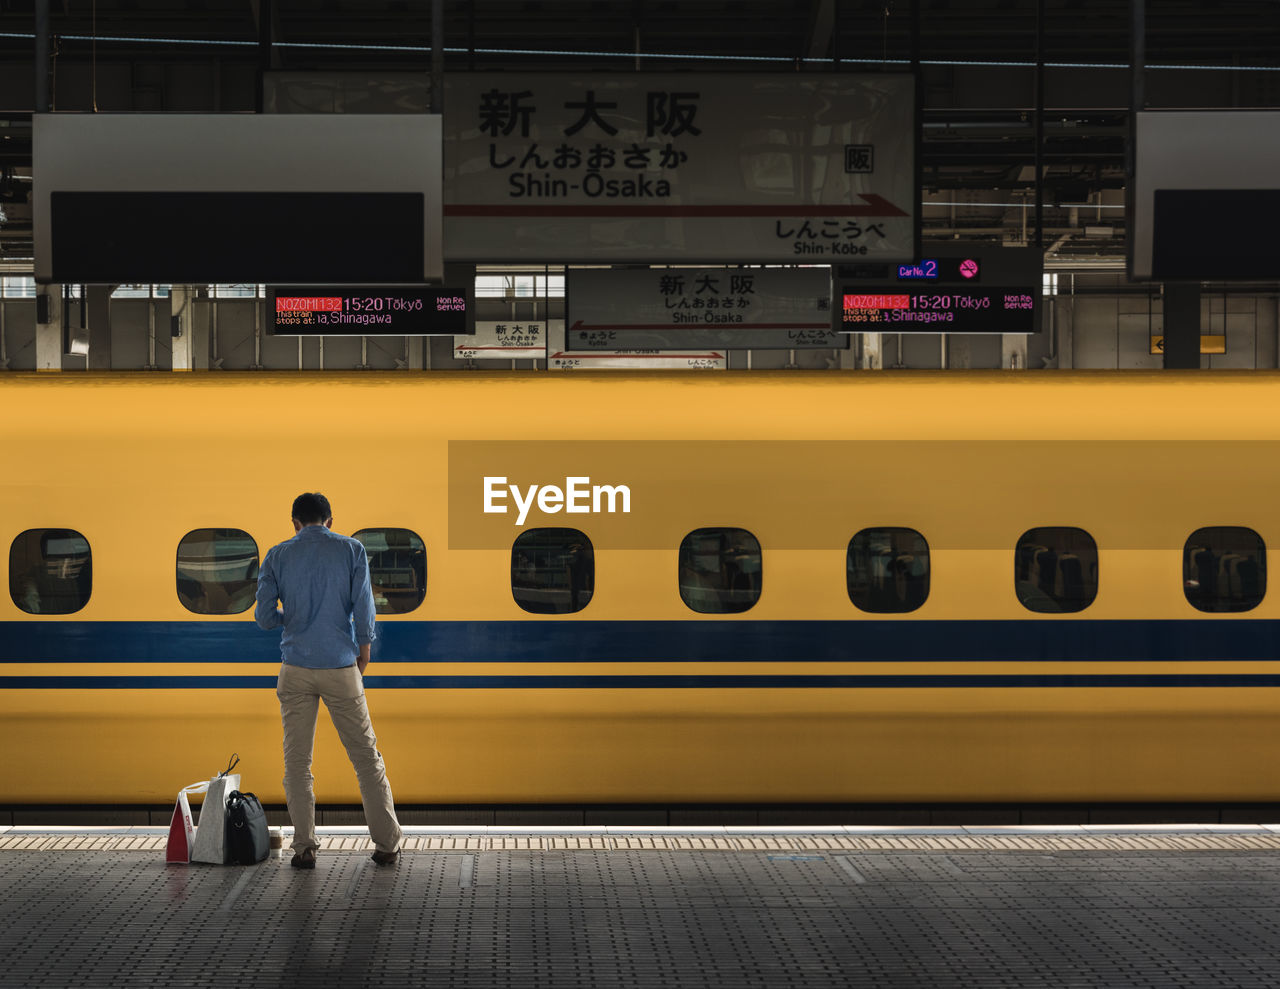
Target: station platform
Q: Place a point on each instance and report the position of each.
(1081, 906)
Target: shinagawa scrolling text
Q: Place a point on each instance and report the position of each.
(928, 307)
(365, 310)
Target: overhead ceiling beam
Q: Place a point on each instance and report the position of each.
(268, 32)
(266, 19)
(821, 28)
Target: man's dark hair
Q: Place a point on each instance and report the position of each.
(311, 508)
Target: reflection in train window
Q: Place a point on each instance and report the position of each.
(887, 570)
(720, 571)
(217, 571)
(50, 571)
(553, 571)
(1224, 568)
(397, 568)
(1055, 569)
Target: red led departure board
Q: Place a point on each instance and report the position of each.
(938, 309)
(414, 310)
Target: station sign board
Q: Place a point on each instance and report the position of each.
(364, 310)
(503, 340)
(701, 168)
(699, 308)
(702, 340)
(638, 360)
(952, 288)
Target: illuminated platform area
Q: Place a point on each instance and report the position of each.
(715, 906)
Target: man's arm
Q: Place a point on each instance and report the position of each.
(363, 613)
(266, 614)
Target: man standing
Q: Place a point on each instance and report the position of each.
(322, 579)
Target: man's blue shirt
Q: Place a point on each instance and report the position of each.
(322, 580)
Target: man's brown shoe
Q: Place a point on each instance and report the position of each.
(386, 858)
(304, 860)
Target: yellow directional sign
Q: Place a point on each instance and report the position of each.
(1215, 343)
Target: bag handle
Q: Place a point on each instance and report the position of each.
(236, 799)
(203, 785)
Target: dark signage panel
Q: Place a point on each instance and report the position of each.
(251, 237)
(1240, 247)
(363, 310)
(915, 308)
(955, 287)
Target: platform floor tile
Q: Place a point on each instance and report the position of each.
(778, 911)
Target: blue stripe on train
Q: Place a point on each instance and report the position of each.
(694, 640)
(666, 682)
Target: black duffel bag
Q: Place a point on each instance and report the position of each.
(248, 840)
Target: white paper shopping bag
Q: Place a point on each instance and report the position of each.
(211, 834)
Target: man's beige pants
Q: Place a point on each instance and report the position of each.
(300, 691)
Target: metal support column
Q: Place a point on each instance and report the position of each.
(265, 10)
(1039, 138)
(189, 324)
(180, 326)
(1182, 326)
(417, 351)
(97, 303)
(75, 333)
(872, 356)
(43, 103)
(1013, 346)
(257, 337)
(1137, 103)
(1013, 351)
(416, 347)
(151, 364)
(413, 348)
(437, 56)
(48, 297)
(49, 328)
(917, 75)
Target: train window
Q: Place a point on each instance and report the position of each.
(50, 571)
(887, 570)
(720, 571)
(217, 571)
(1055, 569)
(1224, 568)
(397, 568)
(553, 571)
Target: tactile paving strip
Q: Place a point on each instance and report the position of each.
(702, 910)
(39, 840)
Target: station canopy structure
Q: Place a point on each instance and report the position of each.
(980, 85)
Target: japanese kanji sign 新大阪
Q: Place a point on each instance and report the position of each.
(503, 340)
(666, 168)
(696, 308)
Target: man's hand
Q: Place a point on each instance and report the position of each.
(363, 659)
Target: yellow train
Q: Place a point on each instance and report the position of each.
(648, 588)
